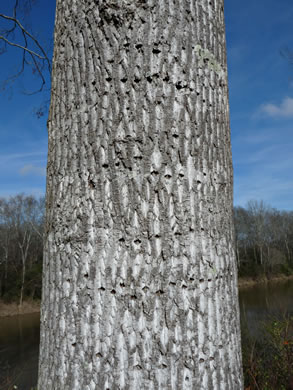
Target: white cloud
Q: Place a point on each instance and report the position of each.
(284, 109)
(7, 158)
(32, 169)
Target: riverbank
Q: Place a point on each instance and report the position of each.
(12, 309)
(250, 282)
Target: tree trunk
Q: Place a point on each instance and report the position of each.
(24, 247)
(261, 254)
(140, 276)
(237, 255)
(288, 251)
(255, 254)
(6, 264)
(22, 284)
(4, 283)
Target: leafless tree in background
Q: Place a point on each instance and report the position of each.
(21, 242)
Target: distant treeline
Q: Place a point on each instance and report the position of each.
(21, 247)
(264, 240)
(264, 244)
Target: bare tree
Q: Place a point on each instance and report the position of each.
(20, 210)
(258, 211)
(241, 222)
(286, 233)
(5, 239)
(20, 222)
(264, 238)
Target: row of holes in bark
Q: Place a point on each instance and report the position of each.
(177, 85)
(153, 173)
(163, 365)
(160, 292)
(137, 241)
(99, 355)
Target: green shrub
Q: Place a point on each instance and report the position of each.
(286, 269)
(250, 269)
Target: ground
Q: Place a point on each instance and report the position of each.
(10, 309)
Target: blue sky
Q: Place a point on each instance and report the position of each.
(23, 137)
(261, 100)
(261, 105)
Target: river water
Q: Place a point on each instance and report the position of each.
(19, 335)
(19, 348)
(265, 302)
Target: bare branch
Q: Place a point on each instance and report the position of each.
(29, 45)
(22, 47)
(36, 230)
(45, 57)
(41, 76)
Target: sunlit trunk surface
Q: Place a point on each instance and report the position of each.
(139, 288)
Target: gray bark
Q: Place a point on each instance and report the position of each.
(140, 276)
